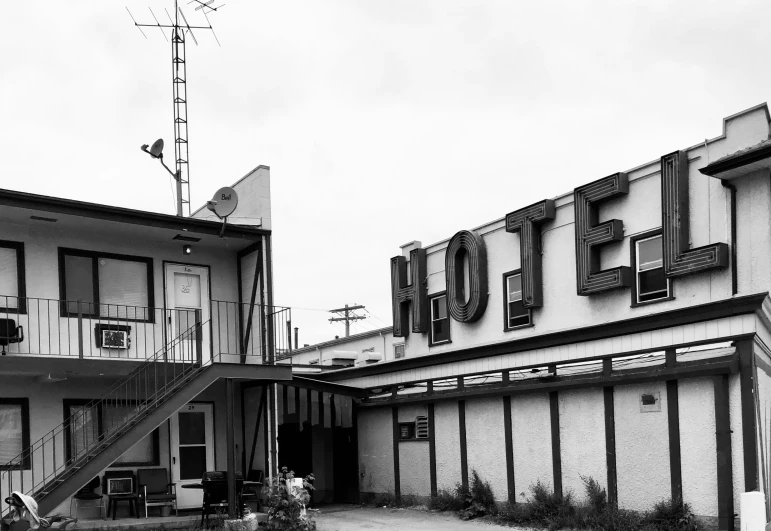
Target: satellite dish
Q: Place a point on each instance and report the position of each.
(157, 148)
(224, 202)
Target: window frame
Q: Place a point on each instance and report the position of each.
(506, 320)
(26, 462)
(94, 256)
(404, 351)
(431, 298)
(411, 430)
(21, 277)
(633, 241)
(67, 403)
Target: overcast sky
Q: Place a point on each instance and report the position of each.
(383, 121)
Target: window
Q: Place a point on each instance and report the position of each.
(12, 288)
(14, 432)
(107, 285)
(515, 313)
(89, 423)
(440, 322)
(650, 283)
(406, 431)
(399, 351)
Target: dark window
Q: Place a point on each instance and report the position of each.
(12, 288)
(107, 285)
(89, 422)
(14, 432)
(516, 313)
(440, 322)
(651, 283)
(399, 351)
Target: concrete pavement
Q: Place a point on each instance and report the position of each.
(358, 518)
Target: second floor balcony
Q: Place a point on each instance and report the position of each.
(219, 331)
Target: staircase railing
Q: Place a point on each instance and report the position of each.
(50, 459)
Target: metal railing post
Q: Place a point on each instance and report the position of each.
(80, 330)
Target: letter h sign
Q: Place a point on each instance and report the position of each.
(414, 293)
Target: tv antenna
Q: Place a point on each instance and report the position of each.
(179, 30)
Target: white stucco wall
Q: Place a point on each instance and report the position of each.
(582, 439)
(697, 445)
(448, 471)
(531, 427)
(642, 447)
(376, 457)
(486, 443)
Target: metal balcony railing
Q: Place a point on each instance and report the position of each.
(237, 332)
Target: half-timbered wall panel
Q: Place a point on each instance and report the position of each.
(486, 443)
(698, 445)
(582, 439)
(531, 425)
(376, 453)
(642, 445)
(448, 471)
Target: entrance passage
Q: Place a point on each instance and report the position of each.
(316, 435)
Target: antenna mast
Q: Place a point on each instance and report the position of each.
(179, 33)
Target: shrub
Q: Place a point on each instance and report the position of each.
(446, 501)
(286, 505)
(672, 515)
(548, 506)
(478, 498)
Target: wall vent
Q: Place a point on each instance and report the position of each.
(421, 427)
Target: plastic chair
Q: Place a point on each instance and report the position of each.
(155, 489)
(87, 494)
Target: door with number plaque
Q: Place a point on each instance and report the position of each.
(192, 450)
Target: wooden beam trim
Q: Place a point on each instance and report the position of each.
(726, 365)
(509, 438)
(463, 446)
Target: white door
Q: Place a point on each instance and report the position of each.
(192, 451)
(187, 303)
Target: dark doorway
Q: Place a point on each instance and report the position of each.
(294, 449)
(346, 470)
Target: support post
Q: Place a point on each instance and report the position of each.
(231, 441)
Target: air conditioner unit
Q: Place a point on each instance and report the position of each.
(421, 427)
(115, 339)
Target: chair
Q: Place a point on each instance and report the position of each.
(87, 494)
(155, 489)
(253, 492)
(10, 333)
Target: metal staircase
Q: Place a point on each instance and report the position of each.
(55, 466)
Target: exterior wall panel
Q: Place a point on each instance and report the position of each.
(642, 447)
(582, 439)
(531, 425)
(448, 471)
(698, 445)
(376, 454)
(486, 443)
(414, 473)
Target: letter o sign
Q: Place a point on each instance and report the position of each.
(462, 307)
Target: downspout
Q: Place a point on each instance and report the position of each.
(734, 261)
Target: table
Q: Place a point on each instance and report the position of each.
(113, 499)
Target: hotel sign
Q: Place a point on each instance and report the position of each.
(590, 237)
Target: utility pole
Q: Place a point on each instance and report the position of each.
(347, 314)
